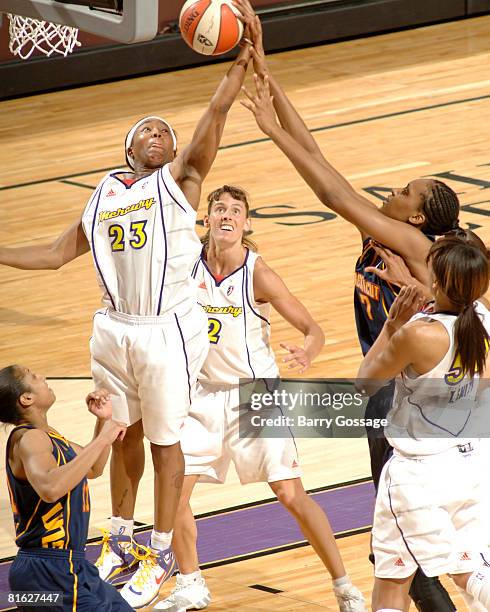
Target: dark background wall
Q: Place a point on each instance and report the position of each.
(287, 24)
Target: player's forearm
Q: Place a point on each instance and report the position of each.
(329, 186)
(291, 120)
(100, 462)
(230, 86)
(30, 258)
(314, 341)
(60, 480)
(366, 381)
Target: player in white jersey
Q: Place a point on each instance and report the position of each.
(150, 340)
(430, 509)
(237, 290)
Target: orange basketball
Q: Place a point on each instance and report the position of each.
(210, 27)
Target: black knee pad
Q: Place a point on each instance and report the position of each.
(429, 595)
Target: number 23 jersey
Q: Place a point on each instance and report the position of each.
(238, 327)
(143, 241)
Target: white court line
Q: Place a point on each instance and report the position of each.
(428, 93)
(378, 171)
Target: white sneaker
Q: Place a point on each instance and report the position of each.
(350, 599)
(194, 596)
(154, 569)
(116, 557)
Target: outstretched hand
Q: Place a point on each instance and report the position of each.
(395, 271)
(260, 104)
(254, 34)
(409, 301)
(99, 404)
(297, 358)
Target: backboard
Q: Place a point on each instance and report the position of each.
(137, 22)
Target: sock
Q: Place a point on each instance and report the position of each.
(190, 578)
(120, 526)
(479, 586)
(161, 540)
(340, 582)
(471, 604)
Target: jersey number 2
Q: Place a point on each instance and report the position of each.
(214, 328)
(138, 236)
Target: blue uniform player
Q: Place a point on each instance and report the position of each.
(423, 206)
(47, 482)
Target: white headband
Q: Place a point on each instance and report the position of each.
(130, 135)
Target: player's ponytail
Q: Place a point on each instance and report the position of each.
(462, 273)
(11, 388)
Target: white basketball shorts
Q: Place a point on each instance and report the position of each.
(150, 365)
(430, 513)
(210, 440)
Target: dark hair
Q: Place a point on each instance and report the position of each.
(12, 386)
(441, 209)
(462, 272)
(236, 193)
(469, 237)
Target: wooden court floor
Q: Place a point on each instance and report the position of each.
(384, 109)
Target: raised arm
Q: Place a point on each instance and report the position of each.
(336, 192)
(191, 167)
(51, 481)
(269, 287)
(288, 116)
(398, 344)
(70, 244)
(100, 405)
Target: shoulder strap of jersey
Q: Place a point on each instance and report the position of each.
(9, 440)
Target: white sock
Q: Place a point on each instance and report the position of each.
(340, 582)
(120, 526)
(161, 540)
(479, 586)
(190, 578)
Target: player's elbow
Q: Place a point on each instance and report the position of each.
(95, 472)
(50, 493)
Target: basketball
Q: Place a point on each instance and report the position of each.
(210, 27)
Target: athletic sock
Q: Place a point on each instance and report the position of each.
(120, 526)
(187, 579)
(340, 582)
(161, 540)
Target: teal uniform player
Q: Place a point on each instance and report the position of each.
(49, 495)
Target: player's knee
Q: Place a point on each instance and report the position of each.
(460, 580)
(291, 499)
(167, 456)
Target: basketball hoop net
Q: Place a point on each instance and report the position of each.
(28, 35)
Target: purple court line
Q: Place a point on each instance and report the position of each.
(236, 533)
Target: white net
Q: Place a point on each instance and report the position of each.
(28, 35)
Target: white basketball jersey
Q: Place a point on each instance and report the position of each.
(143, 243)
(437, 410)
(239, 328)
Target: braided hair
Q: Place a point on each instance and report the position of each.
(441, 209)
